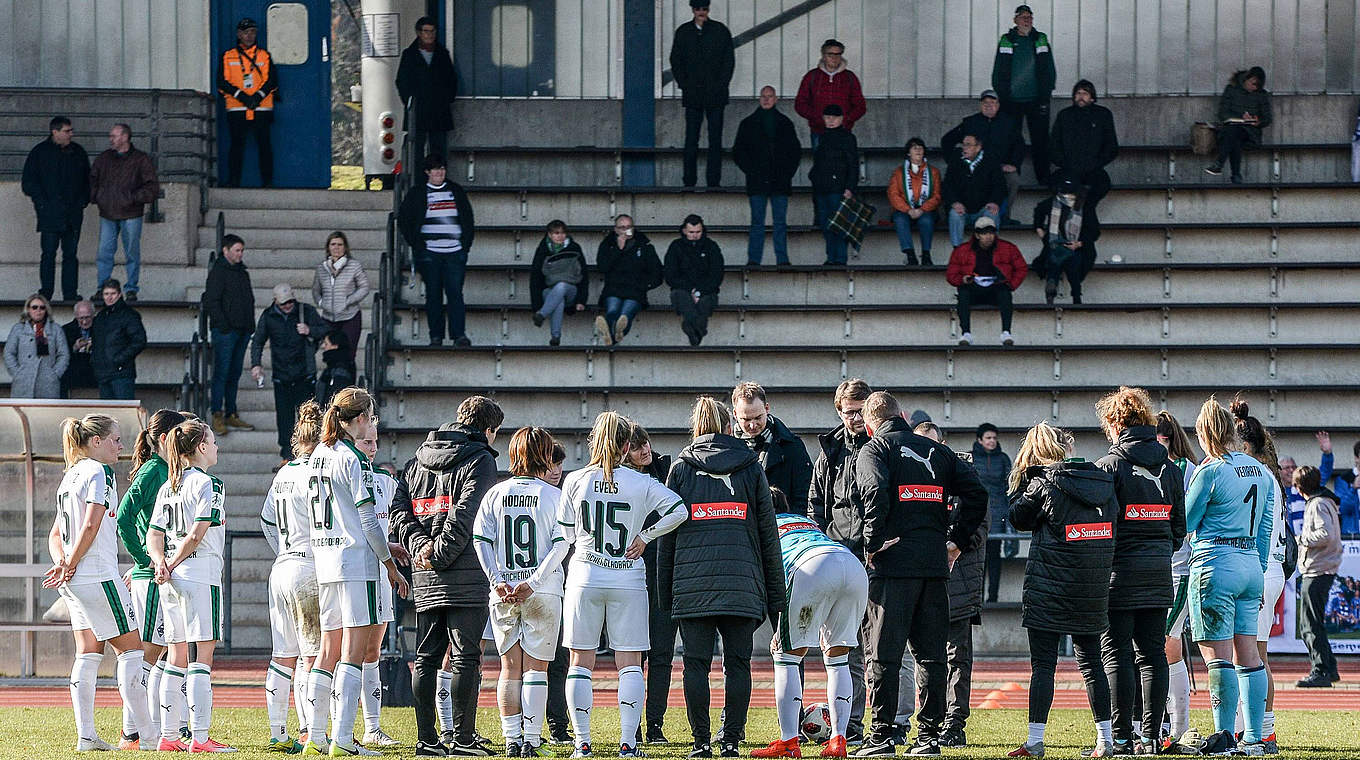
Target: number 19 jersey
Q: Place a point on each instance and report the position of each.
(340, 481)
(602, 517)
(89, 482)
(518, 518)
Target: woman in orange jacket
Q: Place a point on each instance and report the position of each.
(914, 192)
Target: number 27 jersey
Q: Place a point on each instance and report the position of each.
(340, 481)
(602, 517)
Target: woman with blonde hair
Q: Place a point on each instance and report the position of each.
(1150, 524)
(339, 289)
(83, 543)
(1069, 506)
(36, 354)
(721, 572)
(603, 509)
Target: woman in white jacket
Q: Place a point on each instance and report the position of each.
(339, 289)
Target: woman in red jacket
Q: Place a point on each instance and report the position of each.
(985, 270)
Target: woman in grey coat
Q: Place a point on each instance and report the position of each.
(35, 352)
(340, 288)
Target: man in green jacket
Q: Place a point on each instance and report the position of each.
(1023, 75)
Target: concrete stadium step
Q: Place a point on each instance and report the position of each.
(263, 287)
(268, 217)
(225, 199)
(295, 237)
(298, 258)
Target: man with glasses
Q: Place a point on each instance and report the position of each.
(426, 73)
(79, 373)
(702, 59)
(293, 331)
(831, 83)
(57, 178)
(1023, 75)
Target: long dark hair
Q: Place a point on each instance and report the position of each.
(162, 422)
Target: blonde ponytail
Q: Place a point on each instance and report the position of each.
(609, 441)
(76, 434)
(347, 406)
(1215, 429)
(1043, 445)
(307, 430)
(710, 416)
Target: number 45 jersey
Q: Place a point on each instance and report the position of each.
(602, 517)
(518, 520)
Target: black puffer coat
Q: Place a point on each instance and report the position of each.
(1070, 507)
(831, 499)
(1151, 519)
(965, 579)
(438, 493)
(785, 461)
(835, 162)
(993, 468)
(1083, 139)
(628, 273)
(1236, 100)
(724, 559)
(116, 338)
(702, 61)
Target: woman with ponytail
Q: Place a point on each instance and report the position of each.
(294, 611)
(83, 543)
(1229, 512)
(352, 560)
(604, 507)
(1171, 435)
(186, 542)
(150, 472)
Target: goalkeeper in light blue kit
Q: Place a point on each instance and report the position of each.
(1228, 516)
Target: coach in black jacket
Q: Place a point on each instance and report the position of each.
(905, 481)
(438, 494)
(721, 571)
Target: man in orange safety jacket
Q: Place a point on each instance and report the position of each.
(248, 83)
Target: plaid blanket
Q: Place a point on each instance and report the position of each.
(852, 217)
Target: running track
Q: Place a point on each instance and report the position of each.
(997, 683)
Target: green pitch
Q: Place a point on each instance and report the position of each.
(48, 732)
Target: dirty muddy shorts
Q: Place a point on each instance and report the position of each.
(294, 608)
(1225, 595)
(827, 594)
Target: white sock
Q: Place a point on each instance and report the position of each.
(153, 701)
(199, 683)
(508, 700)
(632, 690)
(1178, 699)
(278, 681)
(84, 671)
(132, 688)
(788, 693)
(172, 702)
(372, 697)
(580, 700)
(1137, 727)
(1268, 725)
(511, 727)
(839, 690)
(301, 677)
(349, 681)
(318, 706)
(444, 700)
(1036, 733)
(533, 702)
(1104, 732)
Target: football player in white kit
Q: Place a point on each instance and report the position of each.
(520, 548)
(186, 540)
(294, 607)
(602, 512)
(83, 543)
(352, 560)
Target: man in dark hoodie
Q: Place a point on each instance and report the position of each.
(694, 273)
(782, 454)
(1084, 142)
(834, 175)
(438, 494)
(229, 302)
(993, 468)
(905, 482)
(293, 331)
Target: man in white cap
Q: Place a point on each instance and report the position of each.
(293, 331)
(985, 269)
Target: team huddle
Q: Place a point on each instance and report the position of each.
(1143, 538)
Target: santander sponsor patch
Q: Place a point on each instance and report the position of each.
(719, 510)
(1090, 531)
(1147, 512)
(920, 493)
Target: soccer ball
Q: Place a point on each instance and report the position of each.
(815, 723)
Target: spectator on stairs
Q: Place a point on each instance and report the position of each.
(694, 272)
(36, 355)
(427, 74)
(630, 267)
(122, 182)
(57, 179)
(1069, 233)
(292, 330)
(437, 222)
(985, 270)
(767, 151)
(116, 338)
(831, 83)
(340, 288)
(834, 176)
(79, 373)
(1344, 483)
(702, 60)
(230, 304)
(973, 188)
(914, 192)
(559, 282)
(1243, 111)
(1023, 75)
(1084, 142)
(1000, 134)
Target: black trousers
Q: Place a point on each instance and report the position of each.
(1232, 138)
(70, 267)
(238, 128)
(1035, 114)
(558, 717)
(1043, 663)
(1314, 590)
(993, 563)
(287, 398)
(694, 118)
(1136, 638)
(906, 612)
(661, 629)
(439, 629)
(1075, 269)
(959, 673)
(700, 637)
(997, 294)
(693, 314)
(438, 141)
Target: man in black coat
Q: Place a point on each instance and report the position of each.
(1000, 136)
(116, 338)
(426, 73)
(293, 331)
(973, 188)
(79, 331)
(702, 60)
(1083, 143)
(767, 151)
(905, 481)
(694, 273)
(781, 453)
(229, 302)
(57, 179)
(438, 493)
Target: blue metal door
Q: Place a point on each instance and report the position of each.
(297, 36)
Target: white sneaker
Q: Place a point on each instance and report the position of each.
(1006, 339)
(93, 745)
(966, 339)
(379, 738)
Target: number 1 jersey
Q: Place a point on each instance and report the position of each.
(602, 517)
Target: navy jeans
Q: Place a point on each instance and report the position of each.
(118, 388)
(613, 307)
(925, 224)
(779, 210)
(827, 203)
(443, 274)
(229, 356)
